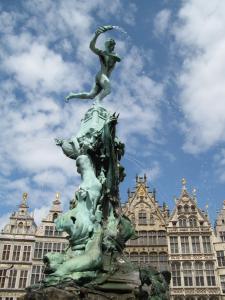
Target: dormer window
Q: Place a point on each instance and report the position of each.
(179, 209)
(193, 222)
(55, 216)
(182, 222)
(142, 217)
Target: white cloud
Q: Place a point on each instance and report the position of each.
(161, 21)
(38, 74)
(153, 172)
(40, 213)
(200, 36)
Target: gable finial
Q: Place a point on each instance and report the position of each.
(184, 182)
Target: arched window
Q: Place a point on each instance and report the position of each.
(163, 261)
(179, 209)
(153, 259)
(182, 222)
(199, 275)
(144, 258)
(187, 271)
(152, 237)
(193, 208)
(142, 217)
(20, 227)
(175, 273)
(55, 216)
(193, 222)
(162, 238)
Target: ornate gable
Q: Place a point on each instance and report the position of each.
(142, 207)
(186, 211)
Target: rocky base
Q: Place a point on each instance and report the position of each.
(72, 293)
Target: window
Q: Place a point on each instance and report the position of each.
(54, 217)
(6, 252)
(199, 276)
(16, 252)
(206, 244)
(134, 257)
(195, 244)
(175, 273)
(2, 278)
(185, 244)
(12, 279)
(26, 253)
(142, 238)
(49, 230)
(220, 258)
(142, 217)
(38, 250)
(143, 258)
(153, 259)
(193, 222)
(210, 276)
(163, 261)
(162, 238)
(182, 222)
(56, 247)
(152, 237)
(47, 248)
(174, 244)
(23, 279)
(222, 280)
(36, 274)
(20, 227)
(179, 209)
(187, 271)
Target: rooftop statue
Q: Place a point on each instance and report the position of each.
(108, 59)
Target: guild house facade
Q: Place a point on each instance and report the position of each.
(22, 246)
(183, 243)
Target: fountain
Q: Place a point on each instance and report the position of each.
(94, 266)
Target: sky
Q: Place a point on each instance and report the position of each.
(169, 90)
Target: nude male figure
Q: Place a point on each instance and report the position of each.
(108, 60)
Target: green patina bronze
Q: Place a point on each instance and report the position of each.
(97, 230)
(108, 59)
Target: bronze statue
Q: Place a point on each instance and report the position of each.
(108, 59)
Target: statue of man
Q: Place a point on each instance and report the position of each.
(108, 59)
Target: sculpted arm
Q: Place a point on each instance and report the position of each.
(100, 30)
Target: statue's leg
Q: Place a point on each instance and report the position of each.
(106, 88)
(91, 95)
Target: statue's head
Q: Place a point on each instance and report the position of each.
(110, 45)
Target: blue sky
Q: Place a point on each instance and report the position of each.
(169, 90)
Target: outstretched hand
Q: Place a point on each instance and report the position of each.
(102, 29)
(67, 98)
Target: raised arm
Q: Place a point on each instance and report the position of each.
(99, 30)
(93, 43)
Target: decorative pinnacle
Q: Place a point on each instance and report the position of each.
(184, 182)
(57, 198)
(25, 195)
